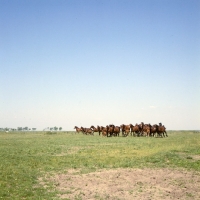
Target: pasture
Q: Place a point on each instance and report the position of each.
(32, 163)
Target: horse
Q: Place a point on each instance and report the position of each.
(125, 129)
(89, 131)
(116, 131)
(104, 131)
(161, 130)
(135, 129)
(153, 130)
(145, 128)
(83, 130)
(99, 129)
(110, 129)
(94, 129)
(77, 129)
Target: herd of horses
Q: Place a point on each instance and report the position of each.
(141, 129)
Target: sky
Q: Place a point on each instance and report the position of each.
(98, 62)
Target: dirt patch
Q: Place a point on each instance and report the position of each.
(128, 184)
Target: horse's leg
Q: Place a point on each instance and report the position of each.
(166, 133)
(163, 134)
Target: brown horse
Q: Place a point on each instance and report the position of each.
(77, 129)
(161, 130)
(153, 130)
(89, 131)
(94, 129)
(145, 129)
(99, 129)
(110, 130)
(135, 129)
(125, 129)
(104, 131)
(83, 130)
(148, 129)
(116, 131)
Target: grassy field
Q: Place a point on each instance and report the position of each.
(25, 156)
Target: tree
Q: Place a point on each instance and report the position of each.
(55, 128)
(19, 128)
(60, 128)
(25, 128)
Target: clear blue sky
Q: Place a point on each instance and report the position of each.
(96, 62)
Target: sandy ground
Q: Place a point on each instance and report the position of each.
(128, 184)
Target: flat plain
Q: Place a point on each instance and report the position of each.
(65, 165)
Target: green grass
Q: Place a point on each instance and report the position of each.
(26, 156)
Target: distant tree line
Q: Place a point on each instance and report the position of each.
(18, 129)
(55, 128)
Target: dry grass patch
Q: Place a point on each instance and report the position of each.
(70, 151)
(189, 156)
(127, 184)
